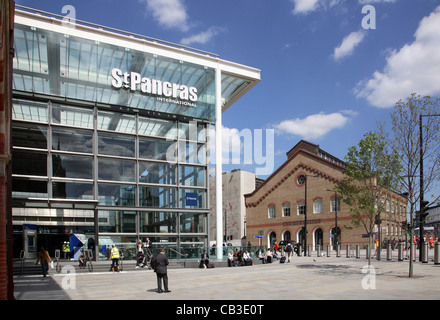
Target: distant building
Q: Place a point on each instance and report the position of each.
(235, 184)
(275, 210)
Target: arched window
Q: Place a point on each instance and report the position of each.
(301, 207)
(317, 205)
(286, 209)
(271, 211)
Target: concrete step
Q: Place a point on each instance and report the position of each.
(30, 268)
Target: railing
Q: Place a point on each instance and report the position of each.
(129, 251)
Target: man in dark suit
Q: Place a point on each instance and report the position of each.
(160, 267)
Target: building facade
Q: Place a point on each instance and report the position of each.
(299, 198)
(235, 184)
(109, 134)
(6, 55)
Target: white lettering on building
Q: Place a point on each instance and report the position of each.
(134, 81)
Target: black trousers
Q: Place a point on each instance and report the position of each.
(161, 276)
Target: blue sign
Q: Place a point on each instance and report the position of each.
(191, 199)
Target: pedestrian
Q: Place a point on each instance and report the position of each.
(231, 261)
(288, 250)
(66, 250)
(44, 259)
(204, 260)
(160, 263)
(114, 256)
(82, 261)
(247, 259)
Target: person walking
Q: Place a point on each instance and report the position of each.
(160, 263)
(288, 250)
(44, 259)
(114, 256)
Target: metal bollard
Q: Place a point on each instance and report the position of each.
(309, 250)
(437, 253)
(318, 250)
(328, 250)
(358, 251)
(389, 252)
(367, 251)
(338, 250)
(299, 250)
(425, 252)
(400, 249)
(348, 251)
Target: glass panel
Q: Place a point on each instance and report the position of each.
(116, 145)
(68, 166)
(30, 111)
(191, 152)
(193, 222)
(116, 170)
(158, 222)
(155, 149)
(72, 116)
(118, 122)
(157, 128)
(29, 135)
(29, 188)
(116, 221)
(116, 195)
(192, 198)
(71, 190)
(72, 140)
(193, 131)
(192, 176)
(162, 173)
(29, 163)
(157, 197)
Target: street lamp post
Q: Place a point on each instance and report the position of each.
(423, 203)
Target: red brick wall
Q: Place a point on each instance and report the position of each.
(6, 26)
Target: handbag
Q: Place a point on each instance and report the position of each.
(51, 265)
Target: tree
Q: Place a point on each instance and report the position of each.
(372, 168)
(407, 129)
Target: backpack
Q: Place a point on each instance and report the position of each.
(289, 248)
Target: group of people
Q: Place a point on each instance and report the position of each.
(239, 258)
(143, 253)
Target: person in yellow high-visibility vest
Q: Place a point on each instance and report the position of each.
(114, 255)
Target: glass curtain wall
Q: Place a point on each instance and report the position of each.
(149, 177)
(94, 133)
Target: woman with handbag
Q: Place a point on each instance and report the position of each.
(44, 258)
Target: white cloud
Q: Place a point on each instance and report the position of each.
(376, 1)
(349, 43)
(315, 125)
(305, 6)
(415, 68)
(169, 13)
(202, 37)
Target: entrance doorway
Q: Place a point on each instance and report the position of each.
(318, 238)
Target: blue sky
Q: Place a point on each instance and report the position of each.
(324, 77)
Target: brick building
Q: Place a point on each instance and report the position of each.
(6, 54)
(275, 210)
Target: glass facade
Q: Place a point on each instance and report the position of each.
(141, 156)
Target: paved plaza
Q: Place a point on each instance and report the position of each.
(304, 278)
